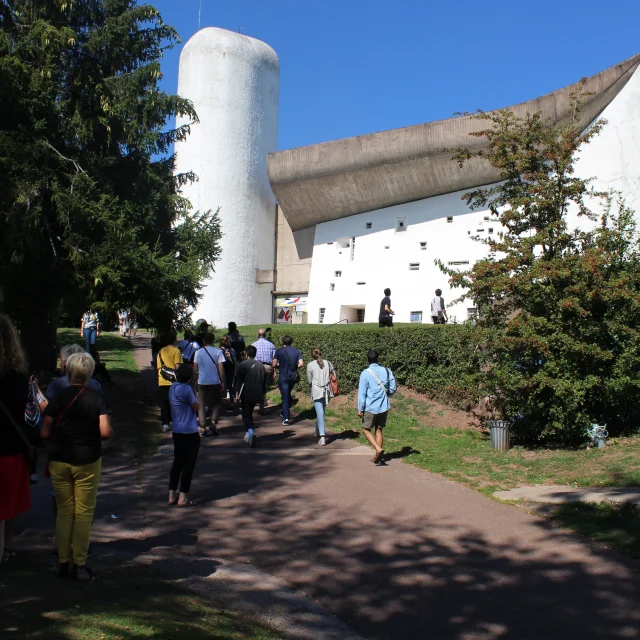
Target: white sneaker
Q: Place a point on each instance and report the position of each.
(165, 428)
(248, 435)
(323, 441)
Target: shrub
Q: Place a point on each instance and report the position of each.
(441, 361)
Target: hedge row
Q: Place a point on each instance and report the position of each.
(441, 361)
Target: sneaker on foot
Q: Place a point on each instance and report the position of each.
(165, 428)
(285, 422)
(322, 441)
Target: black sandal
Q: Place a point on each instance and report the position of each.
(74, 574)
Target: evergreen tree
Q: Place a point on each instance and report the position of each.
(558, 307)
(90, 209)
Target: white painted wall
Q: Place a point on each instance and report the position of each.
(233, 82)
(380, 267)
(613, 159)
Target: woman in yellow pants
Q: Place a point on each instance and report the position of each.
(76, 422)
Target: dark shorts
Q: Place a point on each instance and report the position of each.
(374, 420)
(438, 319)
(385, 322)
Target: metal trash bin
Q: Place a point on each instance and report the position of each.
(500, 434)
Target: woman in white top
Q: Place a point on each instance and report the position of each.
(318, 371)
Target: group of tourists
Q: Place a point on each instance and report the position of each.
(194, 375)
(72, 418)
(127, 323)
(195, 378)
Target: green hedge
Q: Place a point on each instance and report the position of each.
(441, 361)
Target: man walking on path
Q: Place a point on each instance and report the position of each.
(288, 360)
(209, 372)
(251, 385)
(90, 330)
(438, 312)
(376, 385)
(265, 351)
(236, 340)
(386, 314)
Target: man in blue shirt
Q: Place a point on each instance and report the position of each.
(376, 385)
(209, 372)
(288, 360)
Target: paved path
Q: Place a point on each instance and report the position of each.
(561, 494)
(393, 551)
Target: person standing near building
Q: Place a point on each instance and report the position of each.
(438, 311)
(376, 385)
(288, 360)
(170, 357)
(386, 314)
(230, 363)
(250, 387)
(209, 373)
(265, 351)
(90, 330)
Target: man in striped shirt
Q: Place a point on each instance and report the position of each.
(265, 351)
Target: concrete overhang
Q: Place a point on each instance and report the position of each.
(333, 180)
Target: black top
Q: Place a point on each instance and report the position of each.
(384, 314)
(236, 340)
(14, 391)
(287, 358)
(75, 439)
(251, 374)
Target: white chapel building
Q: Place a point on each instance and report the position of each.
(324, 229)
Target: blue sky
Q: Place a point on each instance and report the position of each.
(352, 67)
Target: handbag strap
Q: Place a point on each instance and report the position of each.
(242, 387)
(30, 448)
(64, 411)
(386, 391)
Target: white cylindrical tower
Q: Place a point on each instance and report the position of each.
(233, 82)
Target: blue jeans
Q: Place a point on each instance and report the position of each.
(89, 339)
(319, 406)
(285, 387)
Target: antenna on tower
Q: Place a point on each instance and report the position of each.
(199, 14)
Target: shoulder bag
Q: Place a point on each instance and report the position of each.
(384, 387)
(215, 364)
(167, 373)
(334, 385)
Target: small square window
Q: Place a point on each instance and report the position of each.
(321, 315)
(468, 233)
(387, 246)
(449, 219)
(369, 225)
(332, 286)
(415, 316)
(414, 266)
(479, 230)
(423, 246)
(490, 229)
(360, 283)
(486, 218)
(329, 242)
(337, 274)
(401, 224)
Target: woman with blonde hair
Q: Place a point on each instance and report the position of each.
(318, 373)
(15, 493)
(76, 422)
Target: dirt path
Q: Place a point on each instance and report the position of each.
(393, 551)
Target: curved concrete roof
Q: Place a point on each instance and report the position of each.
(336, 179)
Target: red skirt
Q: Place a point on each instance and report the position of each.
(15, 496)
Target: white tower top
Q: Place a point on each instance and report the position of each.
(233, 82)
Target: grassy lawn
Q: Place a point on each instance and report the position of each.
(128, 603)
(418, 431)
(115, 352)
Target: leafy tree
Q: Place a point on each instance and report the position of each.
(90, 208)
(558, 306)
